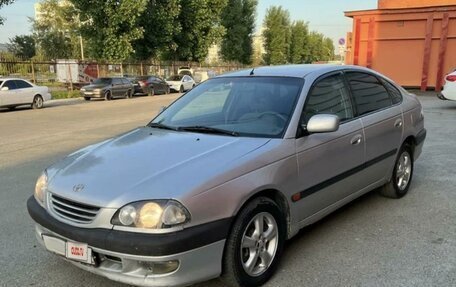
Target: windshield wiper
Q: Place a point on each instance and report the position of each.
(208, 130)
(161, 126)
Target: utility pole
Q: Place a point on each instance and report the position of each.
(82, 47)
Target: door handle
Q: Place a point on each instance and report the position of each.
(398, 123)
(356, 140)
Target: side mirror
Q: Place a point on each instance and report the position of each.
(323, 124)
(5, 89)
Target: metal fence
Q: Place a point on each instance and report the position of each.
(74, 73)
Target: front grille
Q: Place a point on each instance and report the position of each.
(73, 211)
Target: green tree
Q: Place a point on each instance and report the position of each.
(4, 3)
(111, 27)
(56, 32)
(299, 46)
(328, 49)
(22, 46)
(277, 35)
(160, 23)
(200, 22)
(238, 18)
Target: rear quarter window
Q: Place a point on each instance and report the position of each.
(368, 93)
(396, 95)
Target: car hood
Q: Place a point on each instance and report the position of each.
(148, 163)
(93, 87)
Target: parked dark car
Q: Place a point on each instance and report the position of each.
(149, 85)
(108, 88)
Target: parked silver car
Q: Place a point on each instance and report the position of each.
(18, 92)
(215, 184)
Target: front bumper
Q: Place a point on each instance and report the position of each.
(91, 94)
(127, 256)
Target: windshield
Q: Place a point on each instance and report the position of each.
(245, 106)
(104, 81)
(175, 78)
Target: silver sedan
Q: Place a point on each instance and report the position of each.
(217, 182)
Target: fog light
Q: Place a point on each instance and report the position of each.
(161, 267)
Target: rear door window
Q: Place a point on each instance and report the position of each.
(368, 93)
(22, 84)
(329, 96)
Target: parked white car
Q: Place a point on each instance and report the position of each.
(181, 83)
(18, 92)
(449, 89)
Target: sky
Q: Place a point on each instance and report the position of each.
(325, 16)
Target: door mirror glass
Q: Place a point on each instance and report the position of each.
(323, 123)
(5, 89)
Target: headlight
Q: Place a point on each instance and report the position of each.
(156, 214)
(40, 188)
(83, 90)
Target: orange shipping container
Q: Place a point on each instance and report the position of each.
(411, 41)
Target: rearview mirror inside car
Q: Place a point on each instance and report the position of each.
(323, 123)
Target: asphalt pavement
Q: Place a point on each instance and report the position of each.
(373, 241)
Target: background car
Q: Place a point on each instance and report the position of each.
(449, 89)
(181, 83)
(108, 88)
(18, 92)
(203, 75)
(149, 85)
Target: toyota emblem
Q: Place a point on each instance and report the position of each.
(78, 188)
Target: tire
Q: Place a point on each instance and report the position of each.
(401, 178)
(108, 96)
(87, 98)
(129, 94)
(38, 103)
(236, 271)
(168, 91)
(151, 92)
(181, 89)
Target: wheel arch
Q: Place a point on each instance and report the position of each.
(275, 195)
(411, 142)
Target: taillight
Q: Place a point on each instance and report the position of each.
(143, 83)
(451, 78)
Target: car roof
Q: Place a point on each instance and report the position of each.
(297, 71)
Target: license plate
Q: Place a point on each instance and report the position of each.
(77, 251)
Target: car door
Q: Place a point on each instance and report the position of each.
(126, 85)
(117, 89)
(25, 91)
(382, 121)
(329, 163)
(156, 84)
(10, 96)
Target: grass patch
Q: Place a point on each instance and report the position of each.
(56, 95)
